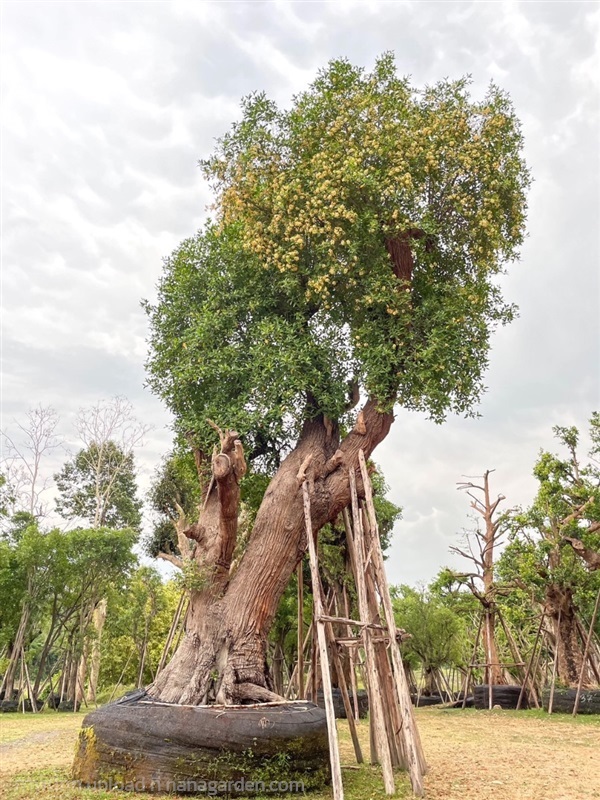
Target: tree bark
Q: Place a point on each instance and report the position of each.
(569, 647)
(222, 655)
(98, 620)
(8, 684)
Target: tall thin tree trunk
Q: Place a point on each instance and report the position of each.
(98, 620)
(8, 684)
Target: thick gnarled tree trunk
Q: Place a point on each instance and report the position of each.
(222, 656)
(568, 645)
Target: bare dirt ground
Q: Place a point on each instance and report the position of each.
(473, 755)
(504, 755)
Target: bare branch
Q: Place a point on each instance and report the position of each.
(25, 454)
(177, 562)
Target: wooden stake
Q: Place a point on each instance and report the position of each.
(300, 662)
(29, 689)
(344, 690)
(334, 753)
(551, 700)
(352, 657)
(21, 681)
(488, 660)
(472, 662)
(528, 670)
(294, 678)
(514, 648)
(171, 634)
(585, 654)
(412, 743)
(377, 708)
(593, 647)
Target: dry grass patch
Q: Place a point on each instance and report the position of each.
(506, 755)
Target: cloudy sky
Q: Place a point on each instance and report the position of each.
(107, 107)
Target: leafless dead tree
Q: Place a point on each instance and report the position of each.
(23, 456)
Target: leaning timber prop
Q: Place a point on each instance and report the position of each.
(394, 736)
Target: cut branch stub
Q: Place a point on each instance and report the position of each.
(221, 466)
(231, 458)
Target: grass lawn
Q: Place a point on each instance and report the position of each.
(473, 755)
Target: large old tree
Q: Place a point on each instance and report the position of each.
(351, 268)
(554, 555)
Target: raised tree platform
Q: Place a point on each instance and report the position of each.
(142, 745)
(564, 701)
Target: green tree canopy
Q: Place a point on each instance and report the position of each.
(99, 485)
(436, 631)
(551, 539)
(174, 492)
(356, 245)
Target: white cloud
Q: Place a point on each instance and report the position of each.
(108, 106)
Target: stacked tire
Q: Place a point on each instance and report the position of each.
(11, 706)
(564, 701)
(338, 703)
(158, 747)
(504, 696)
(68, 705)
(426, 700)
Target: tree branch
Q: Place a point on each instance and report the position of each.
(591, 557)
(177, 562)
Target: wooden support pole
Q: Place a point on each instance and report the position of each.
(294, 677)
(376, 704)
(472, 662)
(314, 666)
(530, 664)
(554, 665)
(351, 656)
(363, 671)
(488, 659)
(539, 668)
(514, 648)
(593, 646)
(118, 683)
(21, 681)
(32, 699)
(344, 690)
(334, 753)
(412, 743)
(171, 635)
(585, 654)
(300, 640)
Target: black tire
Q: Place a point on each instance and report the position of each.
(53, 701)
(506, 697)
(163, 747)
(426, 700)
(68, 705)
(564, 701)
(338, 703)
(10, 706)
(468, 703)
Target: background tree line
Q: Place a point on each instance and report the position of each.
(82, 619)
(77, 610)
